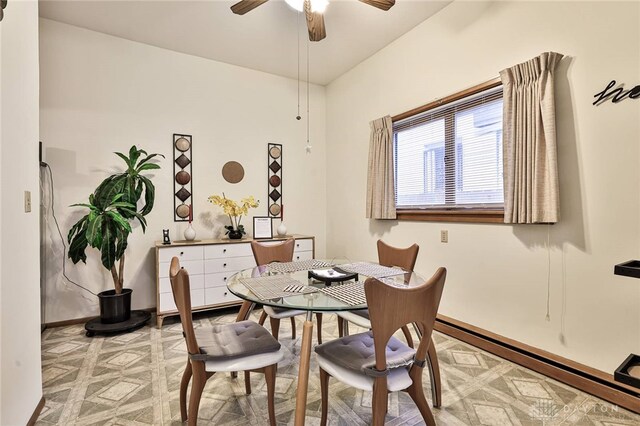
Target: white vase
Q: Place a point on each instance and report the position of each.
(281, 230)
(190, 233)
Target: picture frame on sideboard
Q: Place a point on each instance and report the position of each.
(262, 227)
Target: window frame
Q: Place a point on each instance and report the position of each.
(471, 214)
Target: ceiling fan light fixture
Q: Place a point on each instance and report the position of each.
(319, 6)
(296, 4)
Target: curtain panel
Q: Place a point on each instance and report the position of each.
(381, 195)
(529, 142)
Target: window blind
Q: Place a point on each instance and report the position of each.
(451, 156)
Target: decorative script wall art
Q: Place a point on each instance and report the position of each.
(616, 94)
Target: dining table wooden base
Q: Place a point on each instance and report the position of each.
(303, 371)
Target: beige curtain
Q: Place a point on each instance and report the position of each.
(381, 203)
(530, 162)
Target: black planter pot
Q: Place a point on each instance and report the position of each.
(115, 308)
(235, 235)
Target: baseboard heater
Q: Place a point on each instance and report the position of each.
(579, 376)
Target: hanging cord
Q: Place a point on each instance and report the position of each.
(64, 252)
(308, 115)
(298, 46)
(548, 316)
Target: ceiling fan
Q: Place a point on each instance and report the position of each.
(313, 10)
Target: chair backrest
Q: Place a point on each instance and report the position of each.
(392, 307)
(404, 258)
(265, 254)
(181, 289)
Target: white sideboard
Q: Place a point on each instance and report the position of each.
(210, 263)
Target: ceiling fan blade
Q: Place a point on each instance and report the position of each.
(315, 23)
(380, 4)
(245, 6)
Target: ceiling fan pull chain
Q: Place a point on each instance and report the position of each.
(298, 46)
(308, 149)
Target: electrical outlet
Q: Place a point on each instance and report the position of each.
(444, 236)
(27, 201)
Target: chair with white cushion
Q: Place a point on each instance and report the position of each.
(377, 362)
(404, 258)
(240, 346)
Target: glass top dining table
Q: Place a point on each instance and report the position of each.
(316, 302)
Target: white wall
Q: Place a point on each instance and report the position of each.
(20, 383)
(101, 94)
(497, 274)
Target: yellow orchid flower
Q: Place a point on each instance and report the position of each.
(234, 210)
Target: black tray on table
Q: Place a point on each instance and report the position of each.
(332, 275)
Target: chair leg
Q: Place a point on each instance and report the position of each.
(324, 390)
(417, 395)
(197, 386)
(275, 326)
(247, 382)
(434, 374)
(293, 328)
(245, 310)
(319, 321)
(407, 335)
(263, 318)
(379, 401)
(270, 378)
(184, 385)
(340, 326)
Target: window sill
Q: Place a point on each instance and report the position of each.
(470, 216)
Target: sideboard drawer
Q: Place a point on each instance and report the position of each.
(217, 280)
(304, 245)
(197, 298)
(227, 250)
(233, 264)
(302, 255)
(193, 267)
(195, 282)
(182, 253)
(216, 295)
(168, 304)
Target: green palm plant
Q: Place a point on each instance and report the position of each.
(113, 205)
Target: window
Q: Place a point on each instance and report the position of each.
(448, 158)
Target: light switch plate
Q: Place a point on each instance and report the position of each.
(27, 201)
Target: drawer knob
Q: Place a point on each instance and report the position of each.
(224, 279)
(225, 293)
(298, 257)
(181, 253)
(224, 266)
(224, 250)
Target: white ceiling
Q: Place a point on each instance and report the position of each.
(264, 39)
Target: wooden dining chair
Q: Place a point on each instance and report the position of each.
(376, 361)
(404, 258)
(390, 256)
(239, 346)
(282, 252)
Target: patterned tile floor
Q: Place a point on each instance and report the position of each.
(133, 379)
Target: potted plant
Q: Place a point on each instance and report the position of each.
(107, 225)
(235, 211)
